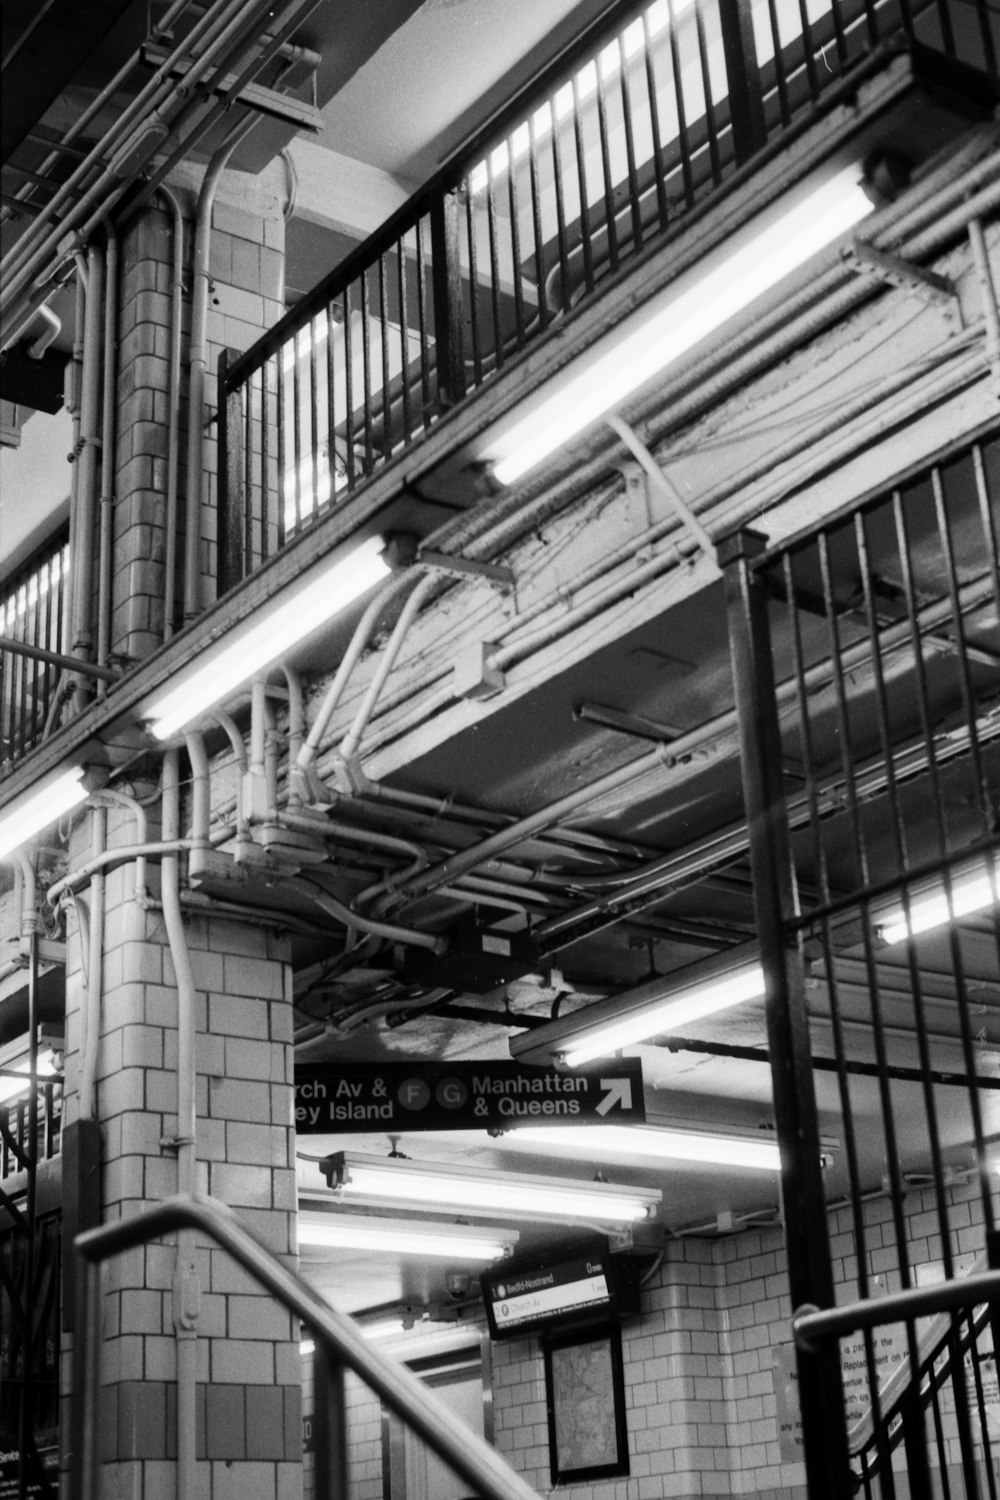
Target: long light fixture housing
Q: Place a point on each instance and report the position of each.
(247, 649)
(33, 813)
(359, 1178)
(974, 890)
(393, 1237)
(654, 1143)
(660, 1006)
(721, 285)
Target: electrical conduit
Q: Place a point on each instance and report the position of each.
(187, 1291)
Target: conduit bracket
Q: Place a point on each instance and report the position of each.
(663, 486)
(466, 567)
(865, 260)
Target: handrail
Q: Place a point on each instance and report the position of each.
(813, 1326)
(472, 1458)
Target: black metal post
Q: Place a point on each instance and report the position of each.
(810, 1272)
(329, 1425)
(446, 267)
(231, 497)
(746, 104)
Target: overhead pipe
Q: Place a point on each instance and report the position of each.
(393, 933)
(109, 416)
(123, 854)
(239, 749)
(186, 1286)
(348, 661)
(197, 367)
(82, 643)
(349, 745)
(110, 797)
(92, 962)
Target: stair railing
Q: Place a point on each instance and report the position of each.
(342, 1345)
(909, 1397)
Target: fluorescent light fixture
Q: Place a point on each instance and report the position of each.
(10, 1088)
(976, 890)
(38, 810)
(224, 666)
(649, 1010)
(654, 1142)
(393, 1237)
(356, 1177)
(728, 280)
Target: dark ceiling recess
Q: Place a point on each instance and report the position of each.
(37, 383)
(45, 46)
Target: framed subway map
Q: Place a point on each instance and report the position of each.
(585, 1395)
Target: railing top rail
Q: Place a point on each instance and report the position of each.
(477, 1463)
(600, 31)
(812, 1326)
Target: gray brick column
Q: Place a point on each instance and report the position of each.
(249, 1367)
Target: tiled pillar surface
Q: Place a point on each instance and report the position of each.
(248, 1396)
(246, 265)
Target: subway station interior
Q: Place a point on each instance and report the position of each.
(500, 750)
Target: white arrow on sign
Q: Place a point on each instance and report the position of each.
(619, 1091)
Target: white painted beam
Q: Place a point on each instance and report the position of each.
(340, 193)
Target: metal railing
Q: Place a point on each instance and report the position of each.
(871, 776)
(339, 1346)
(631, 131)
(30, 1126)
(32, 615)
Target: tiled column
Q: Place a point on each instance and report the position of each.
(245, 298)
(248, 1395)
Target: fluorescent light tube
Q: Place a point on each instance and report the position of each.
(773, 245)
(972, 892)
(393, 1237)
(223, 667)
(679, 1009)
(653, 1142)
(354, 1177)
(40, 808)
(10, 1088)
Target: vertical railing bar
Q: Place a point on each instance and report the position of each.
(491, 226)
(425, 375)
(683, 137)
(897, 1187)
(384, 342)
(947, 31)
(474, 329)
(245, 436)
(966, 1442)
(366, 366)
(581, 172)
(910, 594)
(808, 50)
(349, 390)
(404, 338)
(45, 675)
(536, 222)
(282, 446)
(654, 120)
(711, 130)
(631, 169)
(297, 431)
(838, 32)
(266, 453)
(313, 417)
(515, 247)
(562, 238)
(24, 667)
(331, 402)
(609, 188)
(941, 1442)
(780, 81)
(990, 530)
(981, 1409)
(271, 365)
(986, 37)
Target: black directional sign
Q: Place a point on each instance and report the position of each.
(332, 1100)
